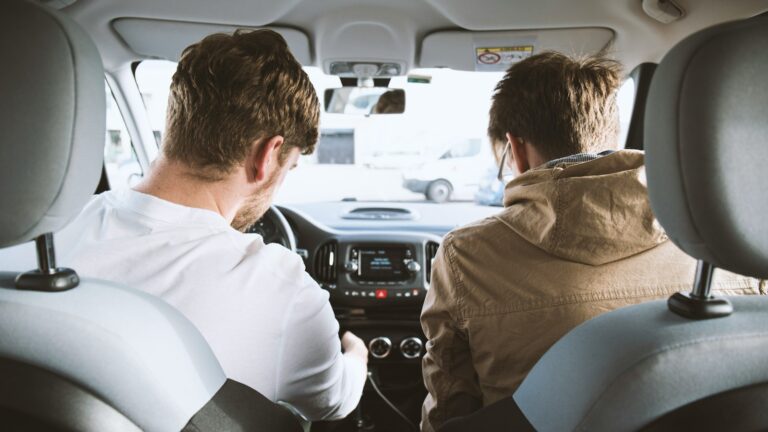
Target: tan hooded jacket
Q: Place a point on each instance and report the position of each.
(574, 241)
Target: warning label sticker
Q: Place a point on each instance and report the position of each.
(500, 58)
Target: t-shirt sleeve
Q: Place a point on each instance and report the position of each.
(313, 375)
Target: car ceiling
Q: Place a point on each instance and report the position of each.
(637, 38)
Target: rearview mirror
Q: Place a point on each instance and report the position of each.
(364, 100)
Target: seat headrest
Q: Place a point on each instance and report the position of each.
(52, 120)
(706, 142)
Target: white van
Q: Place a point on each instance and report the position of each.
(454, 174)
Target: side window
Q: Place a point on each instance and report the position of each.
(153, 78)
(626, 101)
(123, 169)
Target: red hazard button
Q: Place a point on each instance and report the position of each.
(381, 293)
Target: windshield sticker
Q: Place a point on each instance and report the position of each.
(500, 58)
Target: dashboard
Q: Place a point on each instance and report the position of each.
(364, 269)
(376, 279)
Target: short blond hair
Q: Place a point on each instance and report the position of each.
(560, 105)
(230, 91)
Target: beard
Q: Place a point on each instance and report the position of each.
(254, 207)
(250, 213)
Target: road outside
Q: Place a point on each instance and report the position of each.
(312, 182)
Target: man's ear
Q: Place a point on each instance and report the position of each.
(262, 157)
(519, 153)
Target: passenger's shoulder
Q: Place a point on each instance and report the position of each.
(491, 226)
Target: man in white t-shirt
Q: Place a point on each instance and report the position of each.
(240, 111)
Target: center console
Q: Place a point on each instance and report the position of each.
(377, 282)
(360, 272)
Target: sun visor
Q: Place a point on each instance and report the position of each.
(497, 50)
(167, 39)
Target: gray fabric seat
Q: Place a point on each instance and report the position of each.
(82, 354)
(623, 370)
(654, 366)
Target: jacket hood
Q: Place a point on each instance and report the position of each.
(592, 212)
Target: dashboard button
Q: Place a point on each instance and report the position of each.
(380, 347)
(381, 293)
(413, 266)
(411, 347)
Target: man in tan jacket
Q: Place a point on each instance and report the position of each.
(577, 238)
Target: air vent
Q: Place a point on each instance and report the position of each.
(380, 213)
(326, 260)
(431, 251)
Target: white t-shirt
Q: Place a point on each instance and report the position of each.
(269, 324)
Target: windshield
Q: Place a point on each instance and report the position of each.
(436, 151)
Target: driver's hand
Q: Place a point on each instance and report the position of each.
(354, 346)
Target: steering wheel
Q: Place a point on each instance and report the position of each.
(274, 228)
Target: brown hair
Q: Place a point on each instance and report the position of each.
(391, 102)
(560, 105)
(232, 90)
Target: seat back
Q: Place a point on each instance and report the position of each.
(629, 368)
(131, 359)
(75, 353)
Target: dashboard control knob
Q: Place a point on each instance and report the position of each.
(351, 266)
(413, 266)
(411, 347)
(380, 347)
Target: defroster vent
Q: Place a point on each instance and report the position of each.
(326, 261)
(431, 251)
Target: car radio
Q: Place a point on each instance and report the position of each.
(381, 265)
(373, 273)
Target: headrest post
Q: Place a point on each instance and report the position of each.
(47, 277)
(699, 303)
(702, 284)
(46, 255)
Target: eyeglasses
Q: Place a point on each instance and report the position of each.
(504, 171)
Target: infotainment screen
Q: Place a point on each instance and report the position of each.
(384, 264)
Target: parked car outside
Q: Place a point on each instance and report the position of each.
(491, 190)
(453, 175)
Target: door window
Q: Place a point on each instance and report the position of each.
(120, 161)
